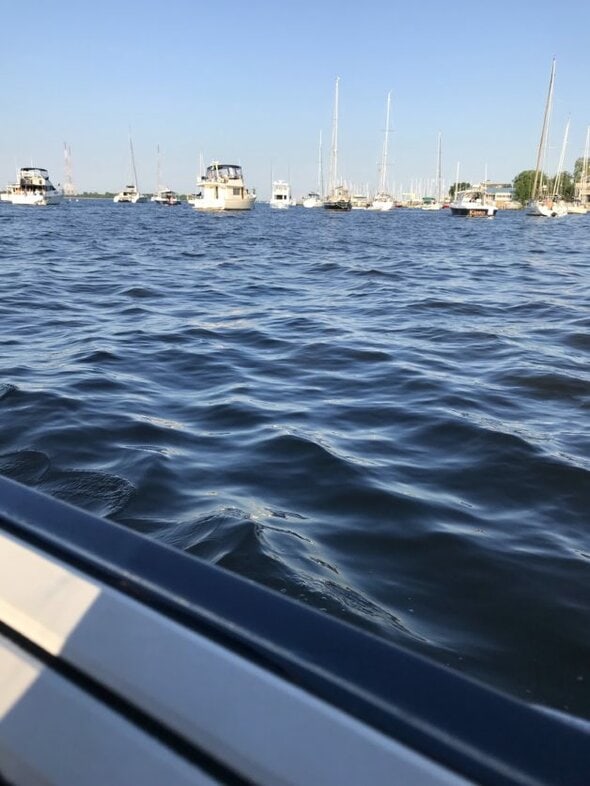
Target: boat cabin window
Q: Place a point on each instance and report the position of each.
(223, 172)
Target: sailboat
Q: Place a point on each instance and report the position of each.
(540, 203)
(163, 195)
(436, 204)
(131, 192)
(383, 200)
(314, 198)
(338, 195)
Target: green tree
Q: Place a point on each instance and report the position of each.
(523, 185)
(578, 166)
(460, 187)
(566, 185)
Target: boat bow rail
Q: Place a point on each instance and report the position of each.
(124, 661)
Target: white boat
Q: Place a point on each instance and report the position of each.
(576, 209)
(32, 187)
(473, 202)
(314, 198)
(383, 200)
(222, 188)
(130, 193)
(435, 203)
(280, 197)
(541, 203)
(338, 195)
(360, 201)
(165, 196)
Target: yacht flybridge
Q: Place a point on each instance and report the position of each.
(222, 188)
(32, 187)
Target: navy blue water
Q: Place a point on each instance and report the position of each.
(386, 416)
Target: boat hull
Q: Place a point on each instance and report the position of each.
(339, 204)
(546, 209)
(35, 200)
(224, 203)
(482, 211)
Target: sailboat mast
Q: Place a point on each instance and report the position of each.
(136, 184)
(456, 181)
(334, 152)
(383, 177)
(559, 176)
(584, 173)
(537, 182)
(320, 169)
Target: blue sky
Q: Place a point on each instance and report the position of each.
(254, 82)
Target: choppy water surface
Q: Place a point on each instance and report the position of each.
(386, 416)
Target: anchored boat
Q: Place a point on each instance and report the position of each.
(32, 187)
(473, 202)
(223, 188)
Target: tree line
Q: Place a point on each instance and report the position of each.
(523, 183)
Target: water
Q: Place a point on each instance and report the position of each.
(383, 415)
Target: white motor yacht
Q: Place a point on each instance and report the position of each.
(473, 202)
(280, 195)
(33, 187)
(223, 188)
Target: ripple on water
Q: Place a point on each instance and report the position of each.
(383, 416)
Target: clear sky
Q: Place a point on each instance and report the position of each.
(253, 82)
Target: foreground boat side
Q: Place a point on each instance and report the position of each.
(101, 631)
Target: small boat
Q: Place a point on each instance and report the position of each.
(339, 197)
(166, 196)
(280, 197)
(360, 201)
(130, 194)
(541, 203)
(313, 199)
(163, 195)
(473, 202)
(33, 187)
(576, 209)
(383, 201)
(435, 203)
(222, 188)
(430, 203)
